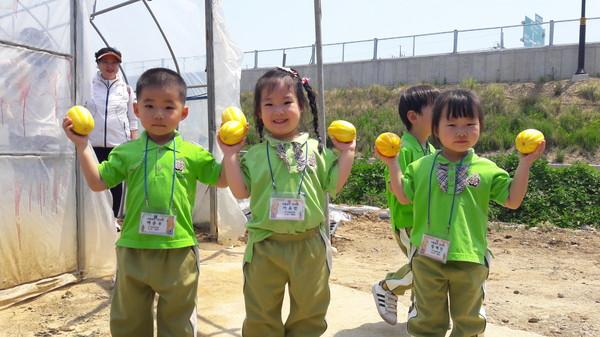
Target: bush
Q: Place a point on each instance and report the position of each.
(468, 83)
(366, 185)
(565, 197)
(589, 92)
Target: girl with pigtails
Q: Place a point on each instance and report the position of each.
(286, 177)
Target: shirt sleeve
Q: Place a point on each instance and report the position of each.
(209, 169)
(113, 169)
(133, 121)
(500, 185)
(407, 180)
(331, 180)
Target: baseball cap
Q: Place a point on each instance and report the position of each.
(106, 52)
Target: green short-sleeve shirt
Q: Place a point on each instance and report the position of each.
(192, 163)
(287, 162)
(401, 216)
(479, 181)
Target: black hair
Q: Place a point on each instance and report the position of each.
(415, 98)
(456, 104)
(162, 78)
(292, 79)
(105, 50)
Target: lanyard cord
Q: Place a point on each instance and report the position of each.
(271, 169)
(146, 174)
(453, 195)
(425, 149)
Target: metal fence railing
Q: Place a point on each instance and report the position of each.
(555, 33)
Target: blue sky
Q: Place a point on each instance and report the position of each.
(269, 24)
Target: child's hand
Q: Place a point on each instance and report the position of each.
(386, 160)
(341, 146)
(80, 141)
(229, 150)
(528, 159)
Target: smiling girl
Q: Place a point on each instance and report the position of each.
(286, 177)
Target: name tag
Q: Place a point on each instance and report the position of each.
(158, 221)
(286, 206)
(434, 247)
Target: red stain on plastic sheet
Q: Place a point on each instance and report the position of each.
(55, 191)
(24, 89)
(41, 197)
(18, 190)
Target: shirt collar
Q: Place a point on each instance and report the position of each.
(466, 160)
(101, 79)
(152, 145)
(302, 138)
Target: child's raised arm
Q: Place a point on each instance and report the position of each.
(345, 160)
(233, 171)
(396, 185)
(518, 187)
(88, 165)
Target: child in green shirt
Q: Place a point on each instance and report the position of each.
(415, 110)
(286, 178)
(157, 249)
(450, 191)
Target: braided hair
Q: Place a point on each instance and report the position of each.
(290, 77)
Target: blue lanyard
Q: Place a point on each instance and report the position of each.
(303, 171)
(453, 196)
(146, 173)
(425, 149)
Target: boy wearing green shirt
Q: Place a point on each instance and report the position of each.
(415, 110)
(157, 250)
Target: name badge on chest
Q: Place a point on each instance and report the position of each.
(435, 247)
(158, 221)
(286, 206)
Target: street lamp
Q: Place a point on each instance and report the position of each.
(580, 74)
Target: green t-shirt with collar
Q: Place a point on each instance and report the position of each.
(480, 180)
(287, 162)
(192, 163)
(401, 216)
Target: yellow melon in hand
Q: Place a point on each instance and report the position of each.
(342, 131)
(388, 144)
(233, 113)
(83, 122)
(528, 140)
(232, 132)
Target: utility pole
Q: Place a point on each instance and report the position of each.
(580, 74)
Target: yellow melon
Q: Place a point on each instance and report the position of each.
(528, 140)
(342, 131)
(233, 113)
(388, 144)
(83, 122)
(232, 132)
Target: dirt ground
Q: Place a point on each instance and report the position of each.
(543, 280)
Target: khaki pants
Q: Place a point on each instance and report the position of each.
(401, 280)
(456, 286)
(142, 273)
(300, 261)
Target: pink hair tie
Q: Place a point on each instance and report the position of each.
(305, 80)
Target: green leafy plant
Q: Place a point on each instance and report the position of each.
(589, 92)
(565, 197)
(366, 185)
(468, 83)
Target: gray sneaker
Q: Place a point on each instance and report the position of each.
(386, 303)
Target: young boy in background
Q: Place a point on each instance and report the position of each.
(415, 110)
(157, 250)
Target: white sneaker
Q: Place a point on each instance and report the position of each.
(386, 303)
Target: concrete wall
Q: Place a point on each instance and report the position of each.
(508, 65)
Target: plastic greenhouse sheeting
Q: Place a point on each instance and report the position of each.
(54, 229)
